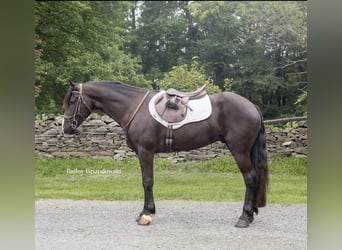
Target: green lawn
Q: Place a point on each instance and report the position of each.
(213, 180)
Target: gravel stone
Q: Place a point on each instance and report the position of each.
(178, 224)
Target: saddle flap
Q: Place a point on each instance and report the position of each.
(175, 114)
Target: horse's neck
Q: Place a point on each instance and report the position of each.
(116, 101)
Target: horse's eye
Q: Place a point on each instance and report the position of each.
(72, 100)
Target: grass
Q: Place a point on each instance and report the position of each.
(213, 180)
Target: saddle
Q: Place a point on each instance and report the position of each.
(173, 106)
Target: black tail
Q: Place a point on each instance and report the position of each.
(259, 161)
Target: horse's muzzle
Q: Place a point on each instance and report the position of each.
(69, 131)
(69, 128)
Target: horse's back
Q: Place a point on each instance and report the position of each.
(235, 112)
(235, 105)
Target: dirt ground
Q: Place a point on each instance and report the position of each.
(69, 224)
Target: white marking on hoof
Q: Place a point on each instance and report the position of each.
(145, 220)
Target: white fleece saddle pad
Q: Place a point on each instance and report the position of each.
(200, 109)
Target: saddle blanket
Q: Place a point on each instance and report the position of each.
(200, 110)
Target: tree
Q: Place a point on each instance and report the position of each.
(217, 28)
(256, 49)
(81, 41)
(272, 53)
(185, 78)
(160, 37)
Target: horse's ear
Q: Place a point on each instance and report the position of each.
(72, 84)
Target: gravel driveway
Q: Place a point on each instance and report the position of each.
(69, 224)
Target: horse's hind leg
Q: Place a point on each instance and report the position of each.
(249, 176)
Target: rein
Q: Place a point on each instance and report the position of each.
(77, 108)
(136, 110)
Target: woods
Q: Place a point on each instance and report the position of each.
(256, 49)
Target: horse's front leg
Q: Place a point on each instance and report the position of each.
(146, 165)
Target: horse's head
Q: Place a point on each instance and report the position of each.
(76, 108)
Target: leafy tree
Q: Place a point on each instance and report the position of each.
(271, 60)
(160, 37)
(81, 41)
(256, 49)
(185, 78)
(217, 28)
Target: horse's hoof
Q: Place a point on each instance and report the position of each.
(145, 220)
(242, 223)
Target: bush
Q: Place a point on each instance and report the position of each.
(186, 78)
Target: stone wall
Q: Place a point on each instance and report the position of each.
(100, 136)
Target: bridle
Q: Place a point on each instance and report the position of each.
(77, 111)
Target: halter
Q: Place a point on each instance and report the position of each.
(77, 109)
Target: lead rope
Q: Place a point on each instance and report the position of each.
(136, 110)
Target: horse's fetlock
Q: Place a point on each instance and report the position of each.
(151, 208)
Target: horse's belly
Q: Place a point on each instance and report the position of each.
(193, 137)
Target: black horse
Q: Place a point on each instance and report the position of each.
(234, 120)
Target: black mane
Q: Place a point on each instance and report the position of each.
(67, 97)
(116, 83)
